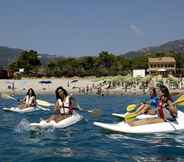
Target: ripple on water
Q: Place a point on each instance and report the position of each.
(83, 141)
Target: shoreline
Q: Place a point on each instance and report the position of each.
(74, 86)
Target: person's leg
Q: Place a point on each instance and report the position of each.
(146, 121)
(53, 117)
(21, 106)
(61, 117)
(144, 108)
(167, 115)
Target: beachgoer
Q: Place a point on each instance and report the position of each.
(63, 106)
(13, 89)
(29, 100)
(149, 107)
(166, 110)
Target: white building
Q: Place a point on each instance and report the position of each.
(139, 73)
(162, 65)
(21, 70)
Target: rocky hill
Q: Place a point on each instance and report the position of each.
(176, 46)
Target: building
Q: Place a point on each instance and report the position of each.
(139, 73)
(162, 65)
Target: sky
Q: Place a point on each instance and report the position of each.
(86, 27)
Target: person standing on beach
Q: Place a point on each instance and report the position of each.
(29, 100)
(99, 90)
(63, 106)
(13, 88)
(68, 83)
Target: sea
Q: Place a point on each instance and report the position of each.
(83, 141)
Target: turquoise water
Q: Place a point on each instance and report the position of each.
(83, 141)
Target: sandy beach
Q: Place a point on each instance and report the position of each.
(21, 86)
(74, 85)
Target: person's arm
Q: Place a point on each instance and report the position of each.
(22, 101)
(57, 107)
(172, 108)
(33, 102)
(159, 110)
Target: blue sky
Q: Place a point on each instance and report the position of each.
(87, 27)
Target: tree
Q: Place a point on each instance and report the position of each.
(105, 59)
(29, 60)
(87, 66)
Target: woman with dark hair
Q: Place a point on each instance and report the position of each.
(63, 108)
(29, 100)
(166, 110)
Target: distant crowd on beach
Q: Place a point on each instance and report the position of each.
(93, 86)
(131, 87)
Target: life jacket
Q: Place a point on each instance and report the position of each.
(154, 101)
(29, 99)
(65, 107)
(160, 109)
(161, 106)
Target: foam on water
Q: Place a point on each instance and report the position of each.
(23, 125)
(83, 141)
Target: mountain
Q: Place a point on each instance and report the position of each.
(176, 46)
(8, 55)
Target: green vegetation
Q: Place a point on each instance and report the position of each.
(28, 60)
(105, 64)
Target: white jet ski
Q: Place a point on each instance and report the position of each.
(17, 109)
(25, 110)
(147, 128)
(74, 118)
(142, 116)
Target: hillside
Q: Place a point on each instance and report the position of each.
(176, 46)
(8, 55)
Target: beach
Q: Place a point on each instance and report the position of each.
(44, 85)
(74, 85)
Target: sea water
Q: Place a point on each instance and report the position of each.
(83, 141)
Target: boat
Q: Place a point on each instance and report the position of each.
(17, 109)
(167, 126)
(25, 110)
(142, 116)
(74, 118)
